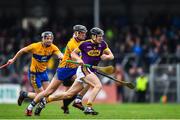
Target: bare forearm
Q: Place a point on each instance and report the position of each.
(107, 57)
(18, 54)
(60, 56)
(75, 56)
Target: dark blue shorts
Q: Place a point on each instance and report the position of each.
(65, 74)
(37, 78)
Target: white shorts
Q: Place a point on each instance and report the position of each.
(81, 73)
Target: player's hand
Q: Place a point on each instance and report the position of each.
(10, 61)
(80, 61)
(104, 57)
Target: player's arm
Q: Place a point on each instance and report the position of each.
(107, 55)
(19, 53)
(76, 57)
(60, 56)
(58, 53)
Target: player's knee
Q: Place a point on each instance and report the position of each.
(98, 86)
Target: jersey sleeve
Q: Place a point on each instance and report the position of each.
(30, 48)
(56, 50)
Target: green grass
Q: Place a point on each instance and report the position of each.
(107, 111)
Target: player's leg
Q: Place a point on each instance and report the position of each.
(37, 86)
(94, 81)
(68, 75)
(78, 97)
(66, 102)
(45, 85)
(63, 74)
(73, 90)
(81, 73)
(49, 90)
(78, 101)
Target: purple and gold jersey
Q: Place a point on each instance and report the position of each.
(91, 52)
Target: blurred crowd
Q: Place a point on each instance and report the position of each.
(136, 46)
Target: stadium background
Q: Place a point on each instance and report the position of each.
(144, 36)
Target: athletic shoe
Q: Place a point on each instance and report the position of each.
(65, 109)
(28, 112)
(39, 108)
(21, 98)
(78, 105)
(90, 111)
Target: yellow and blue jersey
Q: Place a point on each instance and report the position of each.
(71, 46)
(41, 56)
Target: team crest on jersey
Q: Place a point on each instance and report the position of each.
(94, 53)
(44, 59)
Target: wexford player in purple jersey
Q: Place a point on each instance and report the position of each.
(92, 51)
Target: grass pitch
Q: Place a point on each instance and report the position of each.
(106, 111)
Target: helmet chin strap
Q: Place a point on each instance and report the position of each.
(76, 36)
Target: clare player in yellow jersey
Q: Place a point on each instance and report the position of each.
(64, 72)
(41, 53)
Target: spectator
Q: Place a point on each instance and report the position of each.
(141, 86)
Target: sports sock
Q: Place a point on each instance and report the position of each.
(78, 99)
(32, 105)
(42, 103)
(89, 104)
(25, 94)
(66, 102)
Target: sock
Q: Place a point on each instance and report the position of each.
(43, 100)
(25, 94)
(31, 105)
(89, 104)
(78, 99)
(66, 102)
(42, 103)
